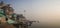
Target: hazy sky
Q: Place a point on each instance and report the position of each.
(46, 11)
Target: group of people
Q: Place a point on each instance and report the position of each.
(7, 16)
(6, 13)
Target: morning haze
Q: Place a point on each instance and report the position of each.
(46, 11)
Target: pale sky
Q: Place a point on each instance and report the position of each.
(46, 11)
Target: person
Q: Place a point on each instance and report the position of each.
(8, 13)
(1, 3)
(2, 16)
